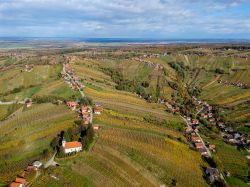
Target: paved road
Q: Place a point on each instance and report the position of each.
(189, 125)
(72, 80)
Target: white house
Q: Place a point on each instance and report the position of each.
(96, 127)
(37, 164)
(70, 147)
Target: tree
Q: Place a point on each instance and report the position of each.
(85, 101)
(220, 71)
(54, 143)
(90, 135)
(45, 153)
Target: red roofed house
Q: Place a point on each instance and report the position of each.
(70, 147)
(98, 110)
(212, 147)
(195, 121)
(16, 184)
(199, 145)
(19, 182)
(195, 139)
(204, 116)
(72, 105)
(85, 113)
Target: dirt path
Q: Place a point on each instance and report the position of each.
(213, 81)
(51, 161)
(186, 58)
(11, 102)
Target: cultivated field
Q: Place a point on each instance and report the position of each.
(130, 152)
(28, 133)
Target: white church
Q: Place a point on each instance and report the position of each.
(70, 147)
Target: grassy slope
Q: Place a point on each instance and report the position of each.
(28, 133)
(42, 80)
(3, 111)
(131, 152)
(90, 72)
(227, 157)
(224, 95)
(105, 93)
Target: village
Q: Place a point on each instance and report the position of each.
(84, 111)
(231, 136)
(236, 84)
(205, 111)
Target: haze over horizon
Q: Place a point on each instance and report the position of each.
(166, 19)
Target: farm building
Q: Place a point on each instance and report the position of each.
(70, 147)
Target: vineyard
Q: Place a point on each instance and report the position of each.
(137, 140)
(130, 152)
(239, 76)
(3, 111)
(118, 120)
(42, 80)
(129, 103)
(229, 159)
(28, 133)
(224, 95)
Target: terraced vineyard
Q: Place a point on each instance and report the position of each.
(225, 95)
(131, 153)
(139, 142)
(18, 84)
(28, 133)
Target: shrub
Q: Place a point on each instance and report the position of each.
(220, 71)
(46, 99)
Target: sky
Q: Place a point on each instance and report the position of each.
(168, 19)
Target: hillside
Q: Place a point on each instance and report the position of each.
(140, 137)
